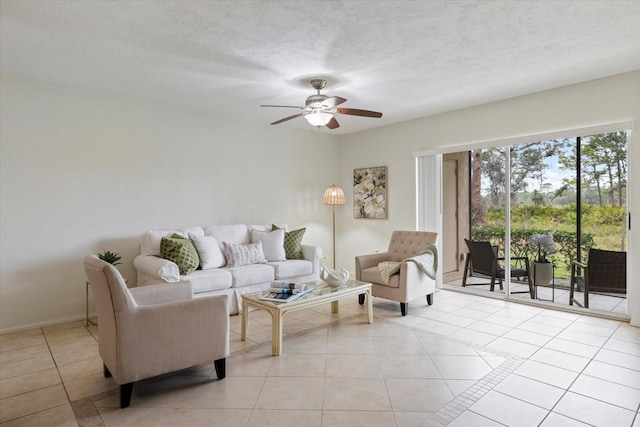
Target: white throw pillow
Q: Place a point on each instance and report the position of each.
(238, 255)
(272, 244)
(210, 253)
(150, 241)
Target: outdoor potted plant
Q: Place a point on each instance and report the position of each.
(543, 245)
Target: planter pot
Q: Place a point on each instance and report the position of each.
(542, 273)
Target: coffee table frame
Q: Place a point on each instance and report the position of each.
(278, 310)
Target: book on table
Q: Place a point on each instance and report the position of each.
(286, 292)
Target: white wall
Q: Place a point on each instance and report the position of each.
(82, 172)
(608, 100)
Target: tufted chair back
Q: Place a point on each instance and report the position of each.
(405, 244)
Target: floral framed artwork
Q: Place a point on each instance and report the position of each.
(370, 192)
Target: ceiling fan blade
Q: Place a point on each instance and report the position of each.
(283, 106)
(356, 112)
(287, 119)
(333, 123)
(333, 101)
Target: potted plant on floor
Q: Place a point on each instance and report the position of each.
(543, 245)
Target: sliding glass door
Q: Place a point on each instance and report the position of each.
(548, 202)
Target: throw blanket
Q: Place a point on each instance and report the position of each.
(426, 260)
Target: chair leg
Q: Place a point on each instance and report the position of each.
(466, 269)
(125, 395)
(572, 282)
(430, 299)
(403, 308)
(221, 368)
(105, 371)
(361, 299)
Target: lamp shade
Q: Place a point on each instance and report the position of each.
(318, 118)
(333, 195)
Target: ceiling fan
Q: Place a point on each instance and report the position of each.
(320, 109)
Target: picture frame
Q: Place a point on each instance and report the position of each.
(370, 193)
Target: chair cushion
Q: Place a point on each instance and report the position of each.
(250, 274)
(181, 251)
(373, 275)
(292, 268)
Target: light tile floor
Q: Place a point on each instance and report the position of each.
(464, 361)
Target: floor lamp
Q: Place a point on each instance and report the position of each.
(333, 196)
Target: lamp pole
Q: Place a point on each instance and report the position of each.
(333, 196)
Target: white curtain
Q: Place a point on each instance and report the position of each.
(429, 198)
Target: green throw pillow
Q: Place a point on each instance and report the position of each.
(292, 242)
(181, 251)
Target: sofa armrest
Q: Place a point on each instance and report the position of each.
(367, 261)
(313, 254)
(162, 293)
(157, 268)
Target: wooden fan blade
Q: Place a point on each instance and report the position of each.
(287, 119)
(356, 112)
(333, 123)
(333, 101)
(283, 106)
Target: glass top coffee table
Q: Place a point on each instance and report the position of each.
(322, 294)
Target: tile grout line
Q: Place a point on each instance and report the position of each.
(456, 407)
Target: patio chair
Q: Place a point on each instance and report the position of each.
(605, 271)
(483, 259)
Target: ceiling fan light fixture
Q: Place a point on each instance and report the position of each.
(318, 118)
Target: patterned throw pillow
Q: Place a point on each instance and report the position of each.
(181, 251)
(238, 255)
(292, 242)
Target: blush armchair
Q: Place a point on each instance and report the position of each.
(152, 330)
(411, 282)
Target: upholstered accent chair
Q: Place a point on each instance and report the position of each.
(604, 272)
(411, 282)
(152, 330)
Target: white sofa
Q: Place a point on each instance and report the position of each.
(233, 281)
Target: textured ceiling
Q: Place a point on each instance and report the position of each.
(406, 59)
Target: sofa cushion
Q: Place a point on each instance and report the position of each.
(210, 254)
(238, 255)
(272, 243)
(292, 242)
(150, 241)
(292, 268)
(190, 232)
(250, 274)
(235, 233)
(372, 275)
(213, 279)
(181, 251)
